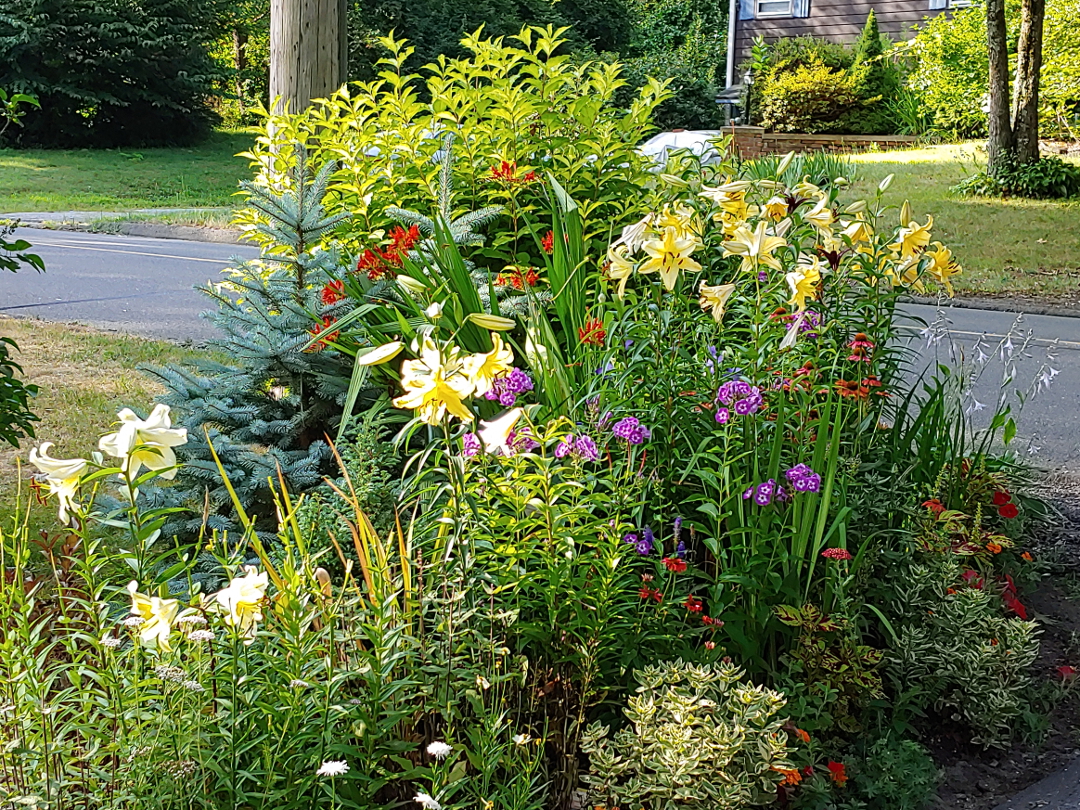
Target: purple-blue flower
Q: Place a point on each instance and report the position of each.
(630, 429)
(803, 479)
(723, 415)
(585, 448)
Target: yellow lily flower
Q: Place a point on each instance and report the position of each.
(732, 190)
(804, 281)
(755, 247)
(62, 475)
(913, 238)
(904, 272)
(861, 235)
(435, 384)
(157, 616)
(619, 267)
(820, 216)
(482, 369)
(681, 218)
(716, 298)
(242, 601)
(808, 190)
(943, 266)
(776, 208)
(669, 255)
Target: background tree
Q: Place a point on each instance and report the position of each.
(1014, 135)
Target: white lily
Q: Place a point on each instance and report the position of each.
(495, 434)
(242, 601)
(145, 443)
(61, 474)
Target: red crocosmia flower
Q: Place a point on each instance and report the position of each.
(1009, 511)
(935, 506)
(333, 292)
(548, 242)
(1001, 498)
(675, 564)
(322, 331)
(836, 554)
(838, 772)
(1067, 673)
(592, 333)
(693, 604)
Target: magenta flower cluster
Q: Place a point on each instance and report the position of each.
(737, 395)
(506, 389)
(803, 479)
(580, 447)
(630, 429)
(764, 493)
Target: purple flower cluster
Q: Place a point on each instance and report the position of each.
(810, 323)
(803, 479)
(739, 396)
(506, 389)
(581, 447)
(471, 444)
(642, 545)
(521, 441)
(632, 430)
(764, 493)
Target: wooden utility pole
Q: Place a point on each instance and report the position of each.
(309, 51)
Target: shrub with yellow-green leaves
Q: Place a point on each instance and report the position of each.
(700, 738)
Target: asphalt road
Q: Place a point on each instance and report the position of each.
(126, 283)
(144, 286)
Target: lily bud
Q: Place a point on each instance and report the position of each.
(495, 323)
(856, 207)
(782, 166)
(905, 214)
(410, 284)
(380, 354)
(884, 184)
(434, 312)
(672, 180)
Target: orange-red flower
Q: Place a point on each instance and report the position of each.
(333, 292)
(935, 506)
(322, 331)
(993, 548)
(675, 564)
(802, 735)
(548, 242)
(693, 604)
(506, 172)
(791, 776)
(1009, 511)
(517, 278)
(1026, 556)
(850, 388)
(592, 333)
(838, 772)
(1001, 497)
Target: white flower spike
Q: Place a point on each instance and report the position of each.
(333, 767)
(439, 750)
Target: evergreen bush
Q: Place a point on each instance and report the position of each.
(109, 73)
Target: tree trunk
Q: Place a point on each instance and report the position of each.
(1028, 65)
(1002, 145)
(308, 51)
(240, 42)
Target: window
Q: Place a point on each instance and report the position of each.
(775, 8)
(959, 3)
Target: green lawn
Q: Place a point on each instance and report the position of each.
(1014, 248)
(203, 176)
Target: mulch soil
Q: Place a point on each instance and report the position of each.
(976, 779)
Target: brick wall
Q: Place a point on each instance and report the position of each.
(751, 142)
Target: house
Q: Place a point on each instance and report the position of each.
(839, 20)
